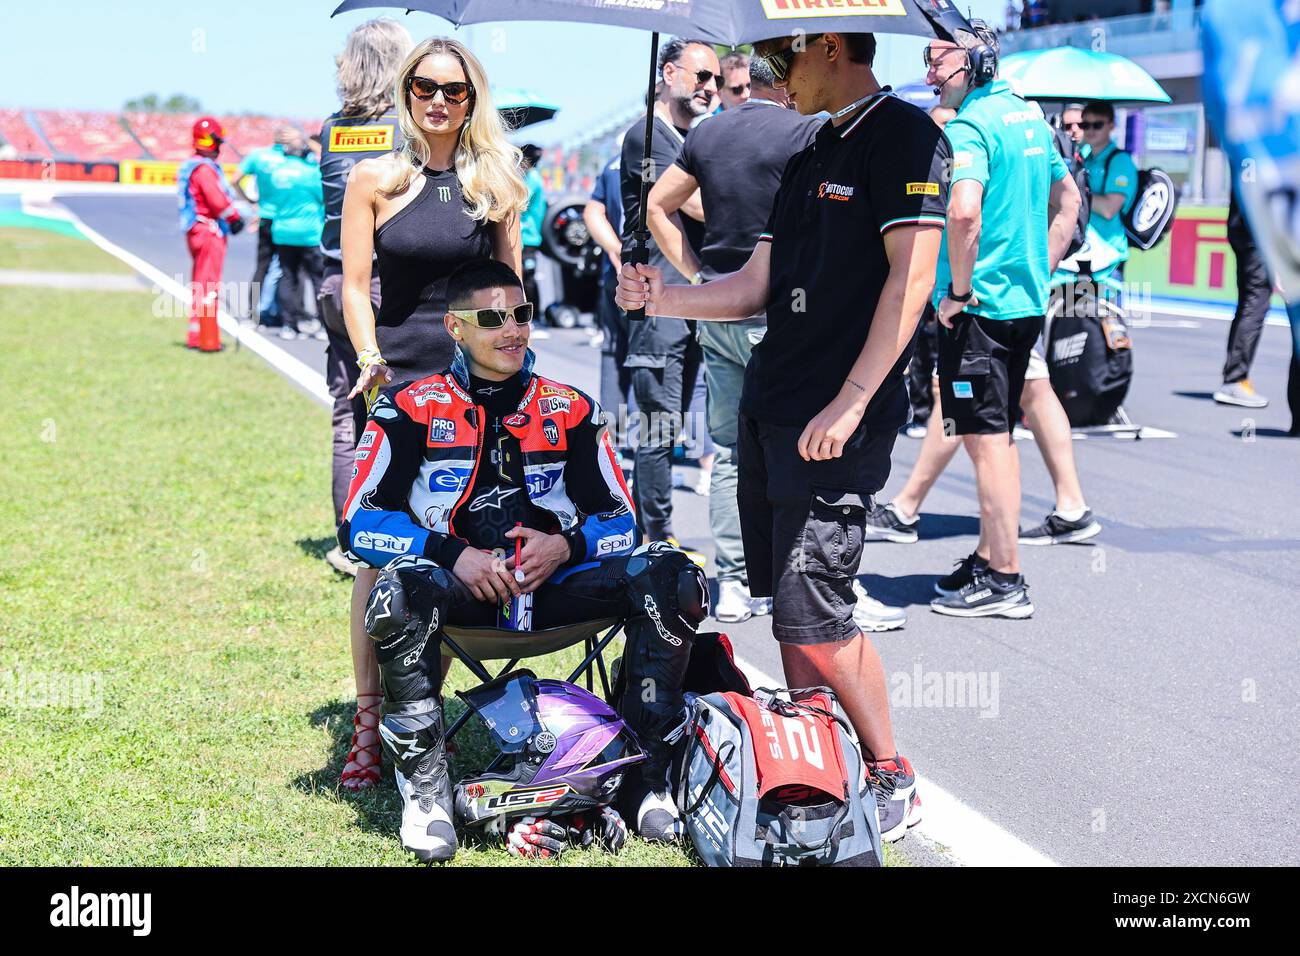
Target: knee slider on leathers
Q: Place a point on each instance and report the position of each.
(671, 590)
(407, 606)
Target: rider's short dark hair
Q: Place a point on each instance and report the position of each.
(475, 276)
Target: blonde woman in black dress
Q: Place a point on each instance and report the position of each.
(451, 193)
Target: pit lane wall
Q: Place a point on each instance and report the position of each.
(1193, 264)
(134, 172)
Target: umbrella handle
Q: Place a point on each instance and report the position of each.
(640, 255)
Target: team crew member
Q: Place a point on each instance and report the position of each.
(450, 193)
(1009, 184)
(1254, 293)
(603, 216)
(297, 232)
(530, 223)
(1112, 178)
(208, 215)
(662, 351)
(364, 128)
(737, 85)
(844, 269)
(735, 163)
(430, 506)
(259, 163)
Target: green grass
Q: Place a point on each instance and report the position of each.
(164, 527)
(165, 524)
(42, 250)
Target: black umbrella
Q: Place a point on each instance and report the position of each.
(726, 22)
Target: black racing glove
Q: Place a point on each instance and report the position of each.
(236, 224)
(605, 829)
(536, 838)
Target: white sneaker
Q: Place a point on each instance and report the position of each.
(872, 616)
(760, 606)
(734, 603)
(287, 333)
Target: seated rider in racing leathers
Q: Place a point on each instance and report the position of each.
(446, 469)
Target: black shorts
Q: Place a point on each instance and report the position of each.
(802, 525)
(981, 367)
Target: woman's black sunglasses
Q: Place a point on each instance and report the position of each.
(424, 89)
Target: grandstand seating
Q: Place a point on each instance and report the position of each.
(15, 131)
(88, 137)
(85, 136)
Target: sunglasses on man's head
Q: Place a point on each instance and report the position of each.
(781, 61)
(424, 89)
(495, 318)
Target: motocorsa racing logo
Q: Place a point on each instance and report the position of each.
(830, 190)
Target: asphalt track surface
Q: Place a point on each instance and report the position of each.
(1148, 712)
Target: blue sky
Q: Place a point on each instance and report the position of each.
(277, 56)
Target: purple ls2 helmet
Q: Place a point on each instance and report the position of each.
(560, 750)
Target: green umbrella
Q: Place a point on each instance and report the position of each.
(1068, 73)
(521, 108)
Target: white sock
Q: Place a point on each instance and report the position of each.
(1073, 514)
(903, 515)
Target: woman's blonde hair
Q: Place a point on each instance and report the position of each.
(487, 164)
(367, 65)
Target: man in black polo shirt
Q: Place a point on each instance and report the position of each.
(733, 163)
(852, 242)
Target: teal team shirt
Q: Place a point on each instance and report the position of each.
(259, 164)
(300, 203)
(1003, 143)
(1122, 177)
(530, 223)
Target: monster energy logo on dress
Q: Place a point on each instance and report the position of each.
(444, 193)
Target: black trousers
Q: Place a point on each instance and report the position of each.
(662, 396)
(1254, 290)
(921, 370)
(529, 263)
(265, 251)
(298, 264)
(615, 379)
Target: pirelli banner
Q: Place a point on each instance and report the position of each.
(49, 170)
(153, 172)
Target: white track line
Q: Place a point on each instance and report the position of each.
(970, 837)
(292, 368)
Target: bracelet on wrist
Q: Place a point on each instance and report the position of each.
(960, 298)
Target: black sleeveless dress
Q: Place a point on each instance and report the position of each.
(416, 251)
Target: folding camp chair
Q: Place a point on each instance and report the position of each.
(473, 645)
